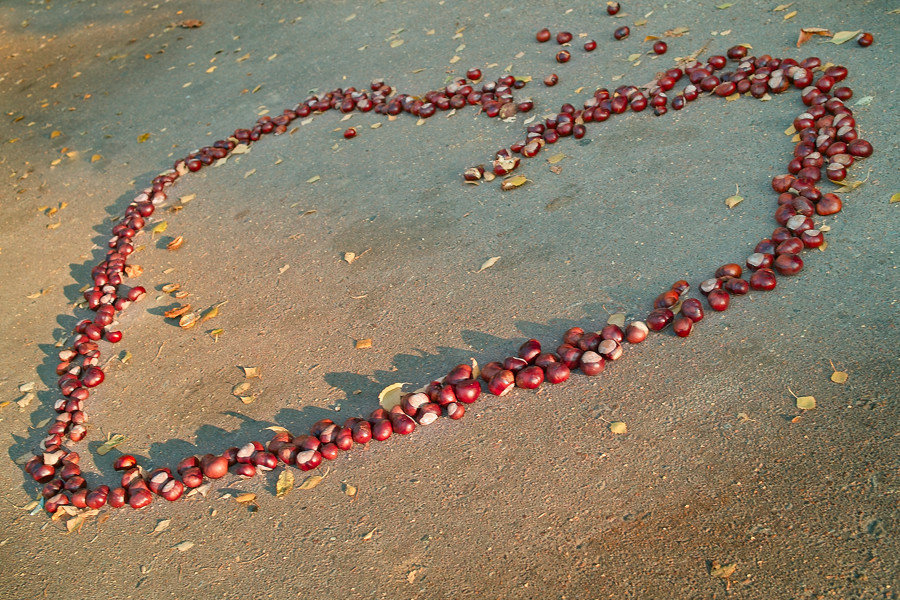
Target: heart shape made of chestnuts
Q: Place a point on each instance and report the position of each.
(827, 138)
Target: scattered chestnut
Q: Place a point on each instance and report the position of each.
(865, 40)
(563, 37)
(124, 462)
(563, 56)
(612, 7)
(788, 264)
(350, 133)
(543, 35)
(719, 299)
(682, 326)
(659, 318)
(551, 80)
(660, 47)
(530, 377)
(763, 280)
(214, 466)
(590, 46)
(622, 32)
(501, 383)
(592, 363)
(636, 332)
(692, 309)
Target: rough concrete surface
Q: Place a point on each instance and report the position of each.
(530, 495)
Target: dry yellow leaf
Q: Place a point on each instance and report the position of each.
(556, 158)
(488, 263)
(210, 314)
(251, 372)
(177, 311)
(616, 319)
(313, 179)
(396, 43)
(840, 376)
(176, 243)
(143, 138)
(189, 320)
(618, 427)
(245, 498)
(511, 183)
(311, 482)
(390, 396)
(363, 344)
(55, 134)
(95, 158)
(790, 15)
(160, 227)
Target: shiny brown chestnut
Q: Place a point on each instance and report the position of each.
(636, 332)
(530, 377)
(682, 326)
(788, 264)
(763, 280)
(692, 309)
(719, 299)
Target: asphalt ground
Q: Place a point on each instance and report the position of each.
(530, 495)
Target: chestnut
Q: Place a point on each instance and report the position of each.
(124, 462)
(530, 350)
(729, 270)
(719, 299)
(658, 319)
(514, 363)
(763, 280)
(172, 490)
(362, 431)
(467, 390)
(95, 499)
(812, 238)
(310, 459)
(557, 372)
(402, 424)
(330, 451)
(79, 498)
(610, 350)
(192, 477)
(501, 383)
(592, 363)
(455, 411)
(266, 461)
(788, 264)
(636, 332)
(737, 286)
(569, 355)
(546, 359)
(682, 326)
(530, 377)
(490, 369)
(543, 35)
(116, 497)
(458, 373)
(589, 341)
(139, 499)
(214, 467)
(692, 309)
(428, 413)
(573, 335)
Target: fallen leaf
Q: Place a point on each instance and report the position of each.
(724, 6)
(864, 101)
(369, 535)
(640, 22)
(390, 396)
(311, 482)
(633, 57)
(210, 314)
(134, 270)
(189, 320)
(215, 333)
(677, 32)
(513, 182)
(556, 158)
(618, 427)
(363, 344)
(55, 134)
(177, 311)
(732, 97)
(75, 523)
(616, 319)
(348, 489)
(349, 257)
(191, 23)
(488, 263)
(844, 36)
(202, 490)
(143, 138)
(43, 292)
(732, 201)
(838, 376)
(277, 429)
(313, 179)
(95, 158)
(111, 443)
(806, 402)
(26, 399)
(161, 526)
(722, 571)
(476, 370)
(245, 498)
(396, 43)
(176, 243)
(790, 15)
(895, 197)
(26, 387)
(782, 7)
(160, 227)
(183, 546)
(240, 388)
(284, 484)
(251, 372)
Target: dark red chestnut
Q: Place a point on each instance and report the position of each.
(530, 377)
(124, 462)
(467, 390)
(692, 309)
(660, 47)
(788, 264)
(455, 411)
(636, 332)
(682, 326)
(192, 477)
(622, 32)
(763, 280)
(543, 35)
(659, 318)
(563, 37)
(556, 372)
(719, 299)
(592, 363)
(458, 373)
(213, 466)
(502, 383)
(530, 350)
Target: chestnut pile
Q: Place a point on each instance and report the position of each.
(828, 140)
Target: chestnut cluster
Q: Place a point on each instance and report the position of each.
(828, 139)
